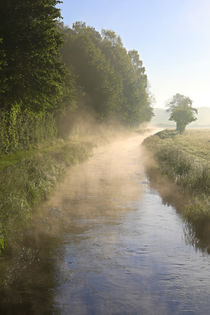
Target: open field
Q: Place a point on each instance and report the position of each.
(194, 143)
(179, 155)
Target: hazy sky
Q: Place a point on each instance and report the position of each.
(172, 37)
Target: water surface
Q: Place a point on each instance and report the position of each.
(105, 243)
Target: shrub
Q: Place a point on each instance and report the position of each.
(20, 130)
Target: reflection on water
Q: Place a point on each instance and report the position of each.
(198, 234)
(27, 279)
(105, 243)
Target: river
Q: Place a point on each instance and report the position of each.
(106, 243)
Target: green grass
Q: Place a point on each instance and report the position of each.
(11, 159)
(27, 178)
(185, 159)
(195, 143)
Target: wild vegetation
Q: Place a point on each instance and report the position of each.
(46, 66)
(27, 179)
(112, 82)
(23, 129)
(31, 73)
(185, 159)
(50, 76)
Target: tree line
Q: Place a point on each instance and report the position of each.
(47, 67)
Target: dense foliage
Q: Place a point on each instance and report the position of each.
(113, 81)
(181, 111)
(49, 74)
(46, 67)
(22, 129)
(30, 71)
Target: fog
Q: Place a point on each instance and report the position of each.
(101, 185)
(109, 237)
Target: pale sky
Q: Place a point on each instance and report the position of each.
(171, 36)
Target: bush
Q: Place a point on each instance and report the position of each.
(20, 130)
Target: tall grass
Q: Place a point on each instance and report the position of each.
(177, 161)
(28, 172)
(185, 159)
(191, 174)
(25, 184)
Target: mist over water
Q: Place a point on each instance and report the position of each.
(106, 243)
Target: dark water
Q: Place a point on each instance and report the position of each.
(105, 243)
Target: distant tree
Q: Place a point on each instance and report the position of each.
(181, 111)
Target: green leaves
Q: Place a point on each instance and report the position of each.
(181, 111)
(42, 74)
(19, 130)
(30, 42)
(113, 79)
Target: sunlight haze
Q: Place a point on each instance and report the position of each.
(105, 157)
(172, 38)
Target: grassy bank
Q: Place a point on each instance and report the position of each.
(26, 179)
(185, 159)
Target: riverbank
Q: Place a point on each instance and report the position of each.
(185, 159)
(27, 177)
(107, 238)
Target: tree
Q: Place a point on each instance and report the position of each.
(181, 111)
(82, 55)
(30, 72)
(113, 80)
